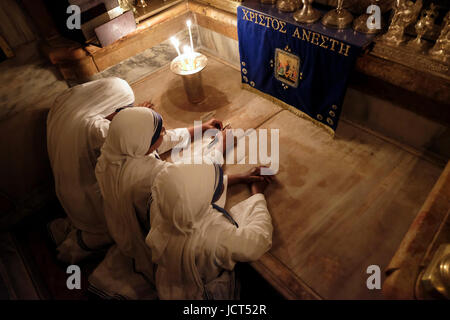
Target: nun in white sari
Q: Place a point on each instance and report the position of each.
(77, 126)
(194, 242)
(125, 172)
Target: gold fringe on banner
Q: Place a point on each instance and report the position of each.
(288, 107)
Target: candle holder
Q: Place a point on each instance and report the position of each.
(189, 66)
(424, 25)
(128, 5)
(288, 5)
(338, 18)
(141, 3)
(405, 13)
(441, 49)
(307, 14)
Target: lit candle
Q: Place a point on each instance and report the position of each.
(187, 50)
(176, 43)
(189, 23)
(189, 58)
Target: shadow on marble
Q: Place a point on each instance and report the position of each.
(214, 99)
(225, 99)
(398, 123)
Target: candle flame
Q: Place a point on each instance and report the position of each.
(187, 50)
(189, 62)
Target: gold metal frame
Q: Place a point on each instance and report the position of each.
(279, 51)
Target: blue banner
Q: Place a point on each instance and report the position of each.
(304, 68)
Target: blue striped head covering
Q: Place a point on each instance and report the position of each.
(158, 123)
(218, 189)
(218, 184)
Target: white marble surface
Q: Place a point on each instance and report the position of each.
(150, 60)
(219, 45)
(28, 81)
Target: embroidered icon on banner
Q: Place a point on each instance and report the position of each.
(287, 67)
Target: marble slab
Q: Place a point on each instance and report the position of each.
(219, 45)
(28, 81)
(150, 60)
(339, 205)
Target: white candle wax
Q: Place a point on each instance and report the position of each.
(189, 23)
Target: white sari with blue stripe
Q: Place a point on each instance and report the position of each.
(195, 245)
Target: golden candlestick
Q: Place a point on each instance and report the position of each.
(405, 13)
(307, 14)
(338, 18)
(141, 3)
(288, 5)
(441, 49)
(425, 24)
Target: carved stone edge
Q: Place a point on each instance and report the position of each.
(225, 5)
(417, 61)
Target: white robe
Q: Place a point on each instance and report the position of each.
(194, 246)
(125, 175)
(76, 129)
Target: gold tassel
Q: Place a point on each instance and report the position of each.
(288, 107)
